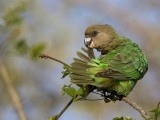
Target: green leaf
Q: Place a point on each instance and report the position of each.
(36, 50)
(13, 15)
(71, 92)
(122, 118)
(64, 86)
(118, 118)
(53, 118)
(66, 72)
(62, 92)
(80, 91)
(128, 118)
(21, 47)
(156, 112)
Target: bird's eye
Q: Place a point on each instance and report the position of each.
(95, 33)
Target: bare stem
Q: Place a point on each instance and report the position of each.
(137, 107)
(92, 99)
(12, 92)
(64, 109)
(47, 56)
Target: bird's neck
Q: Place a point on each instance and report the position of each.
(117, 41)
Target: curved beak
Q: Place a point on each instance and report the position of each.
(87, 41)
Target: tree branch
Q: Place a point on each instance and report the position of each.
(64, 109)
(47, 56)
(137, 107)
(12, 92)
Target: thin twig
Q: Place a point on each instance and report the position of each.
(64, 109)
(47, 56)
(12, 92)
(137, 107)
(92, 99)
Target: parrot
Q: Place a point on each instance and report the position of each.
(120, 65)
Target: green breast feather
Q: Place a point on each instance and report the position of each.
(116, 71)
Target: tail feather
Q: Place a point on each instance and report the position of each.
(83, 57)
(89, 52)
(83, 82)
(79, 64)
(78, 60)
(79, 70)
(75, 76)
(85, 50)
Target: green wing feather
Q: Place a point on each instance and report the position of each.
(128, 63)
(84, 68)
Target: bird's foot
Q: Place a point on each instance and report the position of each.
(111, 97)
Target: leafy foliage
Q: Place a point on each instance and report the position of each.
(72, 92)
(80, 91)
(122, 118)
(36, 49)
(14, 15)
(21, 46)
(156, 112)
(66, 72)
(53, 118)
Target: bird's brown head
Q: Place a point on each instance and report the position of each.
(99, 36)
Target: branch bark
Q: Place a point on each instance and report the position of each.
(12, 92)
(56, 117)
(65, 108)
(49, 57)
(137, 107)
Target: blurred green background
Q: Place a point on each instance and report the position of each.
(56, 27)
